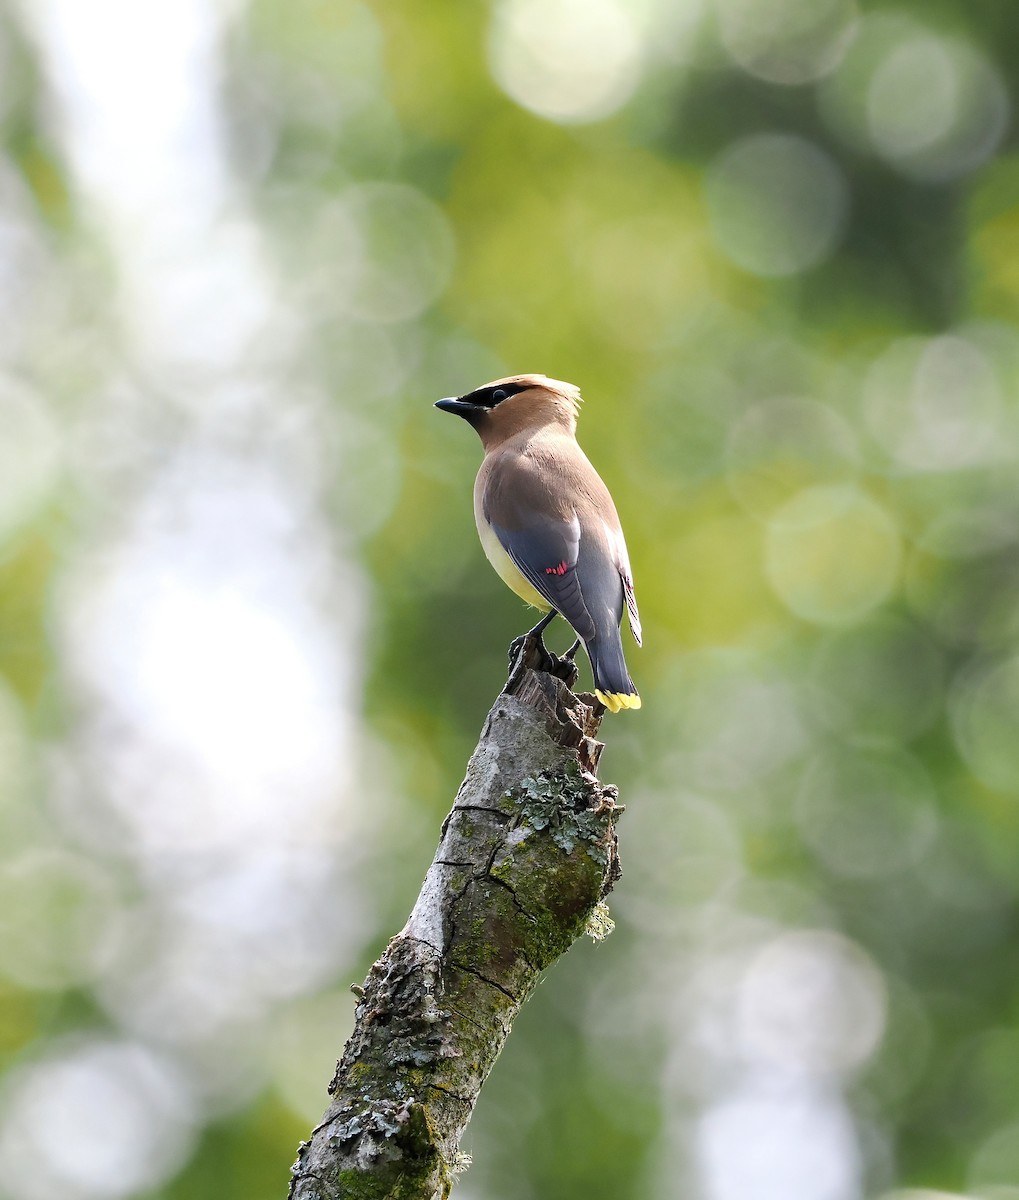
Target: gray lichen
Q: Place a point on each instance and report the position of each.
(561, 802)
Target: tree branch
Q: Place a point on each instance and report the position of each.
(525, 856)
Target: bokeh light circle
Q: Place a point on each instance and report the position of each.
(927, 1194)
(571, 61)
(802, 1142)
(832, 554)
(397, 251)
(812, 1000)
(936, 108)
(786, 41)
(933, 106)
(733, 726)
(58, 918)
(984, 707)
(778, 204)
(104, 1120)
(994, 1168)
(780, 446)
(865, 816)
(935, 403)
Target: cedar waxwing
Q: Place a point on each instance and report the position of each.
(547, 522)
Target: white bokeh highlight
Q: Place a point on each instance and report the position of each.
(208, 624)
(570, 61)
(771, 1025)
(811, 1001)
(778, 1143)
(200, 637)
(98, 1120)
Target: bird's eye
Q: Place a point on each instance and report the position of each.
(499, 394)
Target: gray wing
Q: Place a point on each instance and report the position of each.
(574, 567)
(546, 551)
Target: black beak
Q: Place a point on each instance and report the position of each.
(462, 408)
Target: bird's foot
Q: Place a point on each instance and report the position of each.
(565, 668)
(530, 651)
(534, 650)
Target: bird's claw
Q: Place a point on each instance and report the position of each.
(565, 668)
(535, 652)
(530, 651)
(514, 649)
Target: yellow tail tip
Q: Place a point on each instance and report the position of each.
(615, 701)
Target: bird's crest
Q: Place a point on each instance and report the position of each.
(568, 391)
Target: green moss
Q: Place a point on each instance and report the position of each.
(359, 1185)
(459, 878)
(466, 825)
(504, 870)
(357, 1074)
(416, 1079)
(547, 941)
(481, 941)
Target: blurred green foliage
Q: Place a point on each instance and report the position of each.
(777, 246)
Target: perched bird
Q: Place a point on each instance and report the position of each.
(547, 522)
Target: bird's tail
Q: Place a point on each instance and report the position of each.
(612, 683)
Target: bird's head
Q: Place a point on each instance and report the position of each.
(509, 406)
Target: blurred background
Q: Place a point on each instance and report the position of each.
(248, 637)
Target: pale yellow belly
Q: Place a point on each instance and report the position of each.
(506, 570)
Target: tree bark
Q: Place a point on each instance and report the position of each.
(525, 858)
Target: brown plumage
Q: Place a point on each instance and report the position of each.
(547, 522)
